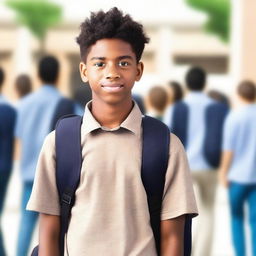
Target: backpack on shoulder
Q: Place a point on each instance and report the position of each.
(155, 155)
(215, 115)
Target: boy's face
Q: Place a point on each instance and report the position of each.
(111, 70)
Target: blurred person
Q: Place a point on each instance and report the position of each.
(140, 102)
(198, 122)
(37, 115)
(175, 94)
(7, 124)
(218, 96)
(156, 102)
(238, 166)
(83, 94)
(23, 85)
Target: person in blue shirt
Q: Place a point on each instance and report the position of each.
(36, 115)
(198, 122)
(156, 102)
(7, 123)
(23, 85)
(175, 93)
(238, 166)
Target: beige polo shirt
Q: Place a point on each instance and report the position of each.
(110, 216)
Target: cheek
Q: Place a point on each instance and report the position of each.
(92, 74)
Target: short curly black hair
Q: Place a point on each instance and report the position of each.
(111, 24)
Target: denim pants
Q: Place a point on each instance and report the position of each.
(4, 180)
(28, 222)
(239, 194)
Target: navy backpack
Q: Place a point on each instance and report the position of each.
(215, 115)
(155, 155)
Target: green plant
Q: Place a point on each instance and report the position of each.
(219, 15)
(37, 15)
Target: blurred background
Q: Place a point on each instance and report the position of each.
(217, 35)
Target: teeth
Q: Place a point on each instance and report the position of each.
(112, 88)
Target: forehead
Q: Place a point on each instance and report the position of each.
(110, 49)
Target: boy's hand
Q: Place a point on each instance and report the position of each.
(222, 177)
(226, 160)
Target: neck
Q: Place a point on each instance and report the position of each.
(110, 116)
(245, 102)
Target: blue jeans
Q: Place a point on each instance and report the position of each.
(239, 194)
(28, 222)
(4, 180)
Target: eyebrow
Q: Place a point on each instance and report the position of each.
(118, 58)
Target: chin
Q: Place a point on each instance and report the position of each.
(119, 101)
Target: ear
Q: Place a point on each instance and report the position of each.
(140, 68)
(83, 72)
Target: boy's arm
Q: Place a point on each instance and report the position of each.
(226, 160)
(49, 229)
(17, 149)
(172, 236)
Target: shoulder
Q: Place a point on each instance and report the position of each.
(234, 115)
(49, 140)
(7, 107)
(27, 100)
(176, 145)
(8, 111)
(232, 120)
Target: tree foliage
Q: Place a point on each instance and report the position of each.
(219, 15)
(37, 15)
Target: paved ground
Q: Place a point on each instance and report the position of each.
(221, 244)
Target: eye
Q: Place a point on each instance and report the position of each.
(123, 63)
(99, 64)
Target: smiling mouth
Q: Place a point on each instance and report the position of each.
(112, 87)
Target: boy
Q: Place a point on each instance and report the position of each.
(110, 215)
(35, 119)
(200, 130)
(238, 166)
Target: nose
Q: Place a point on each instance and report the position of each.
(112, 73)
(112, 76)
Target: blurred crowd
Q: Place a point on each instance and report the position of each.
(220, 142)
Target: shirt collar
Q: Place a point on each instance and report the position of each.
(131, 123)
(48, 87)
(195, 95)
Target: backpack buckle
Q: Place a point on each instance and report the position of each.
(66, 199)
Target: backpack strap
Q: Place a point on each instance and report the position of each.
(179, 122)
(68, 167)
(155, 156)
(215, 115)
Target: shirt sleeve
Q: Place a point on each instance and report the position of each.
(44, 197)
(178, 197)
(228, 134)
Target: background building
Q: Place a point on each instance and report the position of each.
(177, 34)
